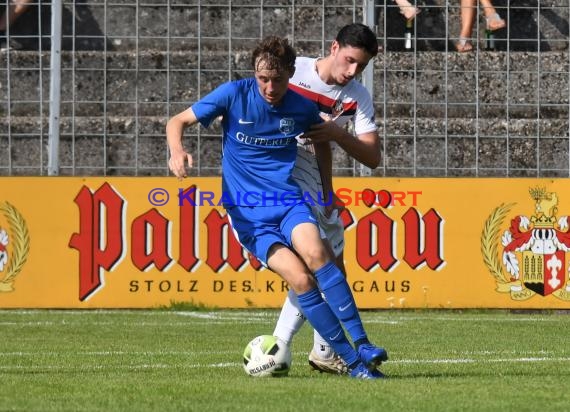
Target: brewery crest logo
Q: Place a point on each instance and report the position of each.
(531, 256)
(14, 245)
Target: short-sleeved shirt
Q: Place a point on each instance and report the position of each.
(340, 102)
(259, 142)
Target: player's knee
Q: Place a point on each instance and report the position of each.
(302, 283)
(315, 257)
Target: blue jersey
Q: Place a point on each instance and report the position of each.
(259, 145)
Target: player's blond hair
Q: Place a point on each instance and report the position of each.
(275, 53)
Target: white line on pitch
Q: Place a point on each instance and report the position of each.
(505, 360)
(236, 364)
(416, 361)
(266, 315)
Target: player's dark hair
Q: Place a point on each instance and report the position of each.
(276, 53)
(360, 36)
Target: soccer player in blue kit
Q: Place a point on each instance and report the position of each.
(262, 120)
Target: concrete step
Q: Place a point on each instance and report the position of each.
(391, 127)
(431, 147)
(532, 25)
(429, 84)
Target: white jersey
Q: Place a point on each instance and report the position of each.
(342, 103)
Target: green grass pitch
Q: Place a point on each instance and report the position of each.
(190, 360)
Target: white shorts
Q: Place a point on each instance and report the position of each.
(332, 229)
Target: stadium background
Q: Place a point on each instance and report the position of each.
(127, 66)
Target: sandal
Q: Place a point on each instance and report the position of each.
(464, 45)
(494, 22)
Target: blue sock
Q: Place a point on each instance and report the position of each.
(326, 323)
(340, 299)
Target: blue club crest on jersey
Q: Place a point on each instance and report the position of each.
(286, 125)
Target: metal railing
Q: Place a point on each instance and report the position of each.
(127, 66)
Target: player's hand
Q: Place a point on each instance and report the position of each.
(178, 161)
(323, 132)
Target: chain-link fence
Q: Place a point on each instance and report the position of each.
(126, 67)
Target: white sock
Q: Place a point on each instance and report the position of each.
(290, 319)
(321, 347)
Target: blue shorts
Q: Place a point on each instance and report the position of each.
(258, 228)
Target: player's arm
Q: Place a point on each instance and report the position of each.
(174, 132)
(365, 147)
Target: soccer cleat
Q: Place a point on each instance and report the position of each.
(371, 355)
(377, 374)
(334, 365)
(361, 371)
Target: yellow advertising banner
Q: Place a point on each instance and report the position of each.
(123, 242)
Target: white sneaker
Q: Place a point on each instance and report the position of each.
(333, 365)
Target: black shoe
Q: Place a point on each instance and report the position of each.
(3, 41)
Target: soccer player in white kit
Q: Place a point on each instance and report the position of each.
(330, 83)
